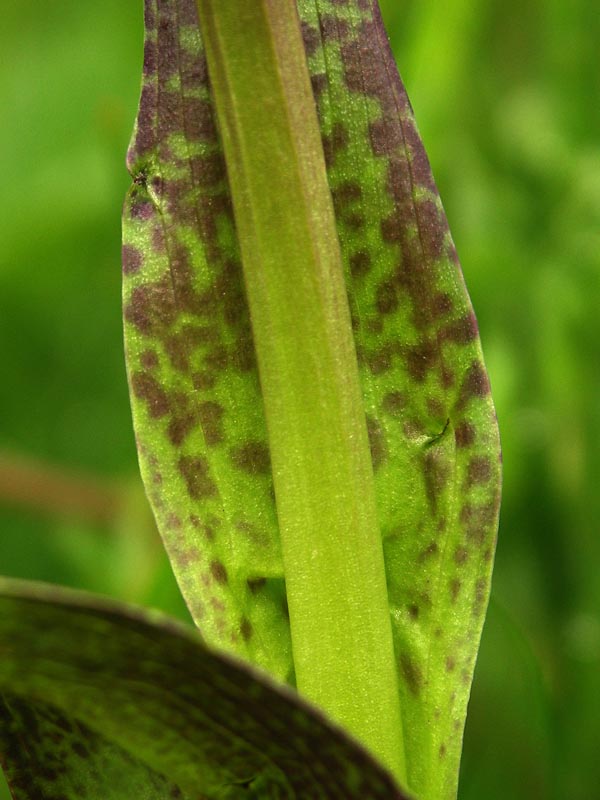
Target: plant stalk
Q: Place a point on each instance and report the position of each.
(322, 470)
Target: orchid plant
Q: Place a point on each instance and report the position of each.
(315, 432)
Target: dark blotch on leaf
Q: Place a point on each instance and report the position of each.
(455, 586)
(480, 470)
(246, 629)
(148, 389)
(475, 384)
(252, 457)
(360, 263)
(195, 473)
(377, 442)
(256, 584)
(412, 673)
(394, 403)
(311, 38)
(131, 259)
(211, 415)
(461, 331)
(218, 571)
(386, 298)
(464, 434)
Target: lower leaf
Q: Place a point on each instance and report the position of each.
(99, 699)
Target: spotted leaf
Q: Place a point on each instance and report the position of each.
(98, 699)
(197, 405)
(433, 432)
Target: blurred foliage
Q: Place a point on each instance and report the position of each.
(506, 95)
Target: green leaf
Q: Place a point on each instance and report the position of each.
(434, 436)
(197, 404)
(196, 398)
(98, 699)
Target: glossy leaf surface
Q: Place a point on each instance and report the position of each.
(103, 700)
(196, 396)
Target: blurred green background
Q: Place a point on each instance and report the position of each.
(507, 98)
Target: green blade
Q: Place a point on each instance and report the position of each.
(433, 429)
(196, 398)
(99, 699)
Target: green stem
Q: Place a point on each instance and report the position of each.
(335, 576)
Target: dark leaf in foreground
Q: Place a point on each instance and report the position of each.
(103, 700)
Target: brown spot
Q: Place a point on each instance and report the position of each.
(480, 470)
(360, 263)
(199, 120)
(211, 415)
(218, 571)
(151, 308)
(413, 428)
(436, 408)
(148, 389)
(441, 305)
(256, 584)
(336, 141)
(391, 230)
(413, 611)
(412, 673)
(380, 360)
(477, 520)
(208, 170)
(180, 427)
(432, 228)
(442, 750)
(435, 473)
(195, 472)
(420, 359)
(475, 383)
(256, 535)
(149, 359)
(203, 380)
(131, 259)
(217, 359)
(447, 377)
(455, 586)
(385, 137)
(252, 457)
(461, 331)
(244, 356)
(345, 193)
(333, 28)
(377, 442)
(394, 403)
(450, 663)
(311, 38)
(480, 593)
(246, 629)
(174, 522)
(354, 221)
(386, 298)
(432, 549)
(464, 434)
(319, 83)
(461, 554)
